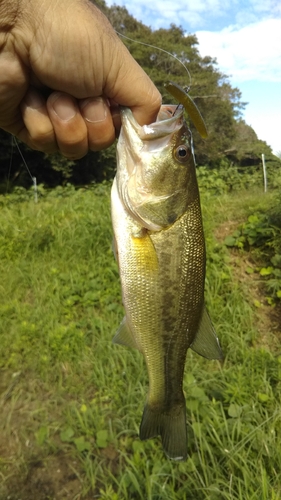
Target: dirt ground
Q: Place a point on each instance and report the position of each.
(26, 473)
(51, 478)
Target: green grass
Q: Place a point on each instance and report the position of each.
(71, 401)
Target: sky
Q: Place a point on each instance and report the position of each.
(245, 38)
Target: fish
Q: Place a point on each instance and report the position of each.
(160, 250)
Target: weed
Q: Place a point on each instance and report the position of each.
(70, 397)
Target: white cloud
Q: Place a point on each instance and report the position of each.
(200, 14)
(267, 126)
(248, 53)
(161, 13)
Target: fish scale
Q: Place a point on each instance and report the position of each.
(160, 250)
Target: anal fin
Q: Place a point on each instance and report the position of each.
(206, 342)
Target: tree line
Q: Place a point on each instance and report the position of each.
(230, 139)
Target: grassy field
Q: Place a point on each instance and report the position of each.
(71, 401)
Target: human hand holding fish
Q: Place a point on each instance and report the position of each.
(63, 74)
(160, 250)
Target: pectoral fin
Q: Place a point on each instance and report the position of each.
(114, 249)
(206, 342)
(124, 335)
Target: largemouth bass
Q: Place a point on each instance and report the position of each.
(159, 246)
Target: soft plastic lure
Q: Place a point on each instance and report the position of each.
(190, 107)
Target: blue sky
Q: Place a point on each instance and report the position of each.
(245, 38)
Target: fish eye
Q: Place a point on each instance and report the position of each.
(182, 153)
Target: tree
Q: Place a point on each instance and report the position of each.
(179, 60)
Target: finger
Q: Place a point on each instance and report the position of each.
(38, 132)
(98, 119)
(132, 87)
(116, 116)
(145, 115)
(146, 104)
(69, 126)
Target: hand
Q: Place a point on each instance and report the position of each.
(63, 74)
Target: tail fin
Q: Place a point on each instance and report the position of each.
(171, 427)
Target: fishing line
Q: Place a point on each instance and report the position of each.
(34, 180)
(22, 157)
(15, 143)
(162, 50)
(10, 165)
(179, 93)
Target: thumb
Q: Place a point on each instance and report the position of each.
(132, 87)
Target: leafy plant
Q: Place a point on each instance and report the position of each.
(260, 236)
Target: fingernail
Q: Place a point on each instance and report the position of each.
(63, 106)
(94, 110)
(33, 100)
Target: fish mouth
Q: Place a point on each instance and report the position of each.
(169, 120)
(151, 138)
